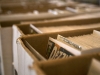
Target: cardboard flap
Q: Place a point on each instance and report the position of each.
(64, 22)
(78, 65)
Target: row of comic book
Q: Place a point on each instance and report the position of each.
(63, 47)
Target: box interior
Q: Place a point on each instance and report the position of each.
(39, 41)
(25, 28)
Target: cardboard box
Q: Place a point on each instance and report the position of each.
(71, 18)
(25, 7)
(65, 26)
(32, 16)
(25, 29)
(28, 8)
(73, 66)
(8, 20)
(36, 51)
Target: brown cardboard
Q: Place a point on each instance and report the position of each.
(17, 18)
(27, 3)
(62, 22)
(25, 17)
(28, 7)
(57, 27)
(94, 67)
(25, 12)
(8, 20)
(39, 41)
(78, 65)
(25, 28)
(39, 44)
(77, 17)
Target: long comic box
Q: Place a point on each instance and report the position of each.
(46, 27)
(51, 14)
(8, 20)
(33, 48)
(81, 24)
(26, 29)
